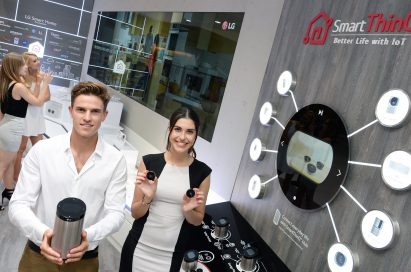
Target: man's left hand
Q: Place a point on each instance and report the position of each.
(77, 253)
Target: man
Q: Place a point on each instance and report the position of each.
(149, 40)
(78, 164)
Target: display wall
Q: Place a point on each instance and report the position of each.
(345, 56)
(224, 153)
(60, 29)
(188, 66)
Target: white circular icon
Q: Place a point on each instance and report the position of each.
(119, 67)
(256, 150)
(36, 48)
(378, 230)
(393, 108)
(286, 82)
(205, 256)
(266, 114)
(254, 187)
(396, 170)
(340, 258)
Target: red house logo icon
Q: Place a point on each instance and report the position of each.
(317, 30)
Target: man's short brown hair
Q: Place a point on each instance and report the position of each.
(91, 88)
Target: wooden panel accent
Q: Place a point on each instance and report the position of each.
(350, 78)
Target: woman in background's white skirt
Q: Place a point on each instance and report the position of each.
(34, 123)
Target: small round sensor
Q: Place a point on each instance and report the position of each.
(151, 175)
(190, 193)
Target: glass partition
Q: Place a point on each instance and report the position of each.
(165, 60)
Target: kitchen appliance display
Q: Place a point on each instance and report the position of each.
(226, 242)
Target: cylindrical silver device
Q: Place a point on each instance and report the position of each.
(249, 259)
(221, 227)
(190, 260)
(68, 225)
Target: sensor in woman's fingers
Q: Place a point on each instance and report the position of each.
(150, 175)
(190, 193)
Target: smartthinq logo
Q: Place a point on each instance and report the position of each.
(317, 30)
(386, 29)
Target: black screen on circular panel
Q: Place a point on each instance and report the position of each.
(313, 156)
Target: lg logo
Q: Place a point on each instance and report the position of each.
(226, 25)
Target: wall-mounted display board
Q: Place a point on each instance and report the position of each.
(60, 26)
(354, 59)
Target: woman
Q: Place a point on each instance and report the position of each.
(34, 123)
(165, 215)
(14, 99)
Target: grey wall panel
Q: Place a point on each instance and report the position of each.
(350, 78)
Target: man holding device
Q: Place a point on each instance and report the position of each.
(78, 164)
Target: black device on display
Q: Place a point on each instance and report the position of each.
(393, 103)
(340, 259)
(311, 168)
(191, 256)
(190, 193)
(150, 175)
(190, 259)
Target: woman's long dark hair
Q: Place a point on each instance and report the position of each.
(188, 113)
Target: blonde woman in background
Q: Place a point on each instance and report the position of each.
(14, 99)
(34, 124)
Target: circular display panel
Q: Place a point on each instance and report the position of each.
(396, 170)
(313, 156)
(378, 229)
(257, 150)
(340, 258)
(286, 82)
(393, 108)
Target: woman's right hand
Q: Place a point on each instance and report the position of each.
(148, 187)
(47, 77)
(39, 77)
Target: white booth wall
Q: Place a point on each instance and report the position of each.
(146, 129)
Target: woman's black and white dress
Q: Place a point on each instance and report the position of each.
(157, 241)
(12, 124)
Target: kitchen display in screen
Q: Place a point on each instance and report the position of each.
(309, 156)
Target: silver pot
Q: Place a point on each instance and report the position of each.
(190, 260)
(249, 259)
(221, 227)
